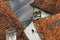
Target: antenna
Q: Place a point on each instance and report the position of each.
(33, 5)
(33, 8)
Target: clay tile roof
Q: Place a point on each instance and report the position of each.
(50, 6)
(49, 27)
(8, 20)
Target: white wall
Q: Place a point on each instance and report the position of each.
(30, 34)
(28, 30)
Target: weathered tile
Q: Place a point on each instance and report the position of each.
(50, 6)
(8, 20)
(48, 28)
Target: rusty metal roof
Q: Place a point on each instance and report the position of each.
(8, 20)
(50, 6)
(49, 27)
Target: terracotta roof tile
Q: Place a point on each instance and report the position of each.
(8, 20)
(49, 28)
(50, 6)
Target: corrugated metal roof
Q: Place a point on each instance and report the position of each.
(22, 8)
